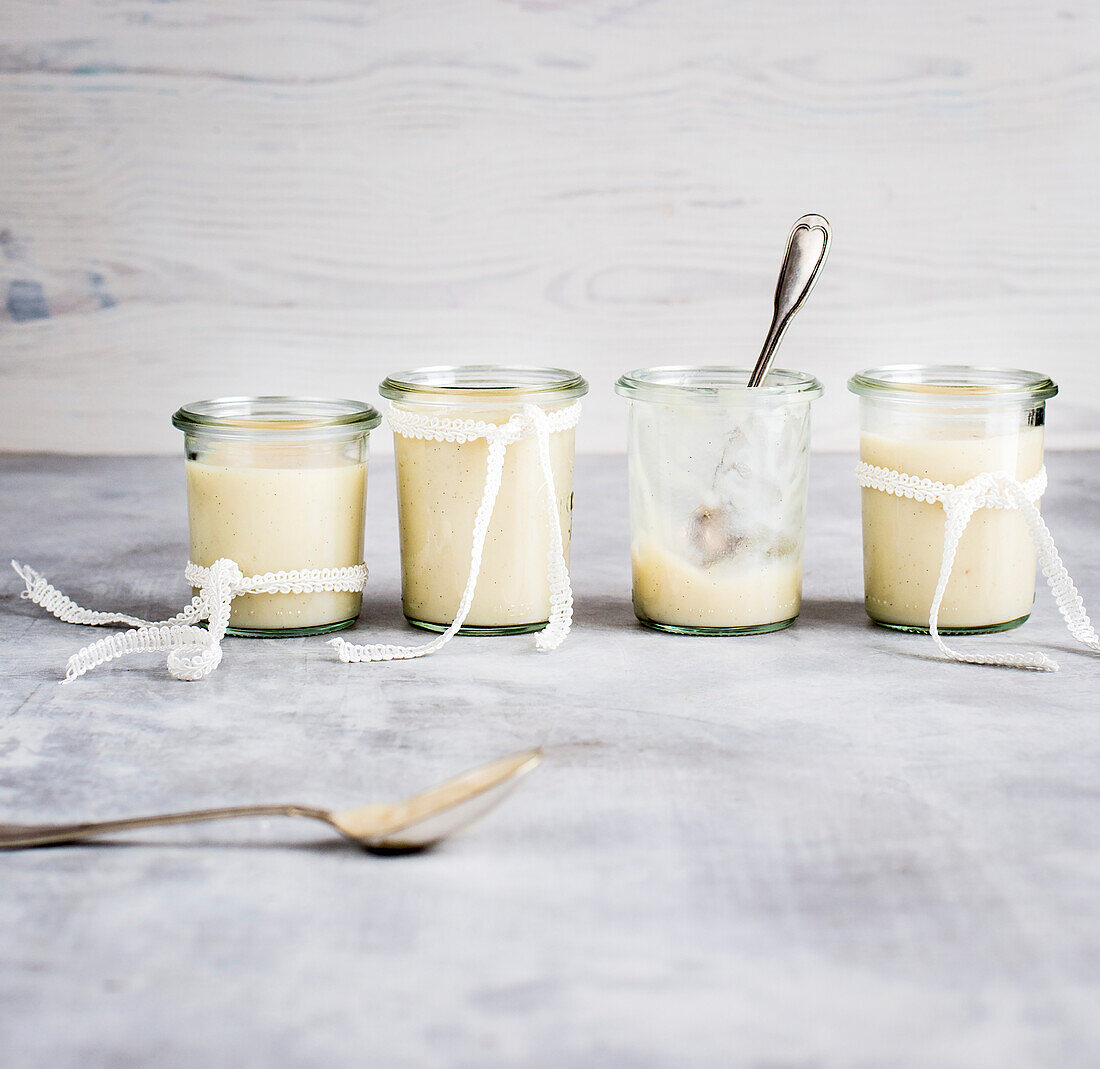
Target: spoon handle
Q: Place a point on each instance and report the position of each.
(807, 248)
(20, 836)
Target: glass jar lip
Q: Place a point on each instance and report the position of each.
(951, 383)
(277, 418)
(674, 383)
(471, 382)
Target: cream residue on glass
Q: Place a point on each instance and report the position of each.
(718, 497)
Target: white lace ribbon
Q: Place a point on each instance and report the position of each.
(193, 652)
(996, 490)
(530, 421)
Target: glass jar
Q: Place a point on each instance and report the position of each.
(440, 485)
(279, 484)
(948, 423)
(718, 483)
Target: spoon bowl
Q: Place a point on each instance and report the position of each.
(439, 812)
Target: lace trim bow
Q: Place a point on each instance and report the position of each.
(531, 421)
(997, 490)
(193, 652)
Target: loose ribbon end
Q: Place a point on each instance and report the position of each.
(547, 641)
(28, 575)
(343, 648)
(1038, 661)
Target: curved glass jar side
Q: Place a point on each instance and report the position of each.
(279, 486)
(718, 490)
(499, 386)
(716, 385)
(948, 424)
(952, 384)
(275, 418)
(440, 486)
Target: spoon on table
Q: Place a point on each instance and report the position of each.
(807, 248)
(414, 824)
(710, 529)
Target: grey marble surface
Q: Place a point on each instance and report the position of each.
(823, 847)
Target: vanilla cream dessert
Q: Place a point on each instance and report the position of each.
(993, 579)
(750, 591)
(439, 489)
(279, 508)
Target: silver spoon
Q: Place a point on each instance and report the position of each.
(414, 824)
(710, 530)
(807, 247)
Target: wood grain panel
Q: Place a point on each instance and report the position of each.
(199, 198)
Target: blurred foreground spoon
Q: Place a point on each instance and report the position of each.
(414, 824)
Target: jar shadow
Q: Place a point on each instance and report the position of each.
(613, 611)
(604, 611)
(834, 611)
(382, 611)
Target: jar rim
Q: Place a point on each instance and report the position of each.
(716, 382)
(953, 383)
(451, 382)
(277, 417)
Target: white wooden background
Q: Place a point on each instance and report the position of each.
(203, 197)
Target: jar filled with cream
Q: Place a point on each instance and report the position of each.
(484, 457)
(927, 431)
(278, 484)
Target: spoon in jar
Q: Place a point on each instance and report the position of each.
(710, 529)
(807, 248)
(414, 824)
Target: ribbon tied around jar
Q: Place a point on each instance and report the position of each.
(997, 490)
(193, 652)
(531, 421)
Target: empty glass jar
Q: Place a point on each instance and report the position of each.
(718, 485)
(947, 424)
(279, 484)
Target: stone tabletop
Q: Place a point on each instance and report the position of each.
(823, 847)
